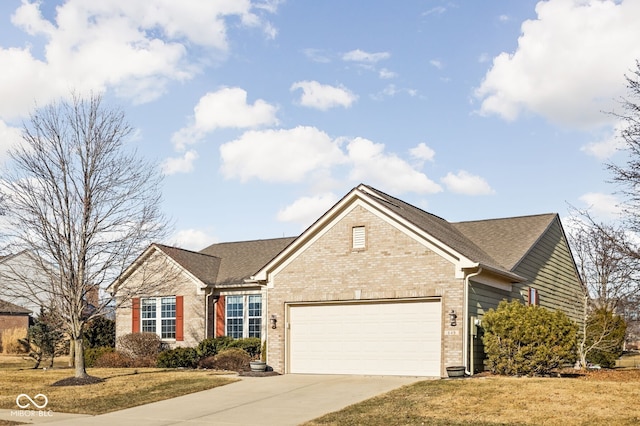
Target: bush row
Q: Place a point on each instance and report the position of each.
(147, 350)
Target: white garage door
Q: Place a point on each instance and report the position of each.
(399, 338)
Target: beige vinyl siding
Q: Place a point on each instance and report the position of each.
(549, 268)
(481, 299)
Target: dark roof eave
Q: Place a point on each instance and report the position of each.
(515, 278)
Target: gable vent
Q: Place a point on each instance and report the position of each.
(359, 237)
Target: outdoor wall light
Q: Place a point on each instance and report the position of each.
(452, 318)
(273, 320)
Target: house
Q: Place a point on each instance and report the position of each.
(23, 281)
(374, 286)
(190, 296)
(13, 317)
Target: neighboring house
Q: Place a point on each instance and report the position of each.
(13, 316)
(23, 281)
(374, 286)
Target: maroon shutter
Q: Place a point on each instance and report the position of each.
(135, 315)
(220, 316)
(179, 318)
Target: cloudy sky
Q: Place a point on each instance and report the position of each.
(262, 114)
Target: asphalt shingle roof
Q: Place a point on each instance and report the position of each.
(11, 309)
(496, 243)
(240, 260)
(202, 266)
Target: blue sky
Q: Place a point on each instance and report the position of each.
(262, 114)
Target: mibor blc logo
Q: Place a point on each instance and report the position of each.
(39, 401)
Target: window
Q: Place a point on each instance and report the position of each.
(244, 316)
(255, 315)
(234, 316)
(165, 325)
(358, 238)
(534, 297)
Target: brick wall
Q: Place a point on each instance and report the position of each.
(175, 283)
(393, 265)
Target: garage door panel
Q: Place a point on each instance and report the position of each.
(366, 338)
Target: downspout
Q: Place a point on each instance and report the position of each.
(465, 326)
(206, 316)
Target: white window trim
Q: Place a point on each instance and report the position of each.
(245, 314)
(158, 316)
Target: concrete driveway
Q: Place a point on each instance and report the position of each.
(277, 400)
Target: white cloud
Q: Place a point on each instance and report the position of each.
(569, 64)
(371, 164)
(465, 183)
(306, 153)
(182, 164)
(386, 74)
(279, 155)
(134, 47)
(608, 145)
(193, 239)
(9, 138)
(362, 56)
(316, 55)
(307, 209)
(226, 108)
(422, 152)
(437, 63)
(392, 90)
(603, 205)
(323, 96)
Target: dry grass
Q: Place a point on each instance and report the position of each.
(122, 388)
(595, 399)
(10, 340)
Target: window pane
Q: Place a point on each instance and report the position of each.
(234, 316)
(148, 308)
(255, 315)
(168, 314)
(168, 329)
(168, 307)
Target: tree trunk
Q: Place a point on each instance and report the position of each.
(79, 358)
(72, 353)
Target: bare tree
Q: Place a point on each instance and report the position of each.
(627, 176)
(610, 280)
(83, 205)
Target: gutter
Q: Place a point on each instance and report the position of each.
(465, 325)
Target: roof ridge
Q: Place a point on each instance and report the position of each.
(182, 249)
(506, 218)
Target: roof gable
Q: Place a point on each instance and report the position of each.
(507, 240)
(496, 245)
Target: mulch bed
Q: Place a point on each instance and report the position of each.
(78, 381)
(258, 373)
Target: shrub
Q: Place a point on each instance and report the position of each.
(11, 340)
(232, 359)
(178, 358)
(210, 347)
(207, 363)
(140, 345)
(92, 354)
(605, 334)
(118, 359)
(250, 345)
(99, 332)
(114, 360)
(527, 340)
